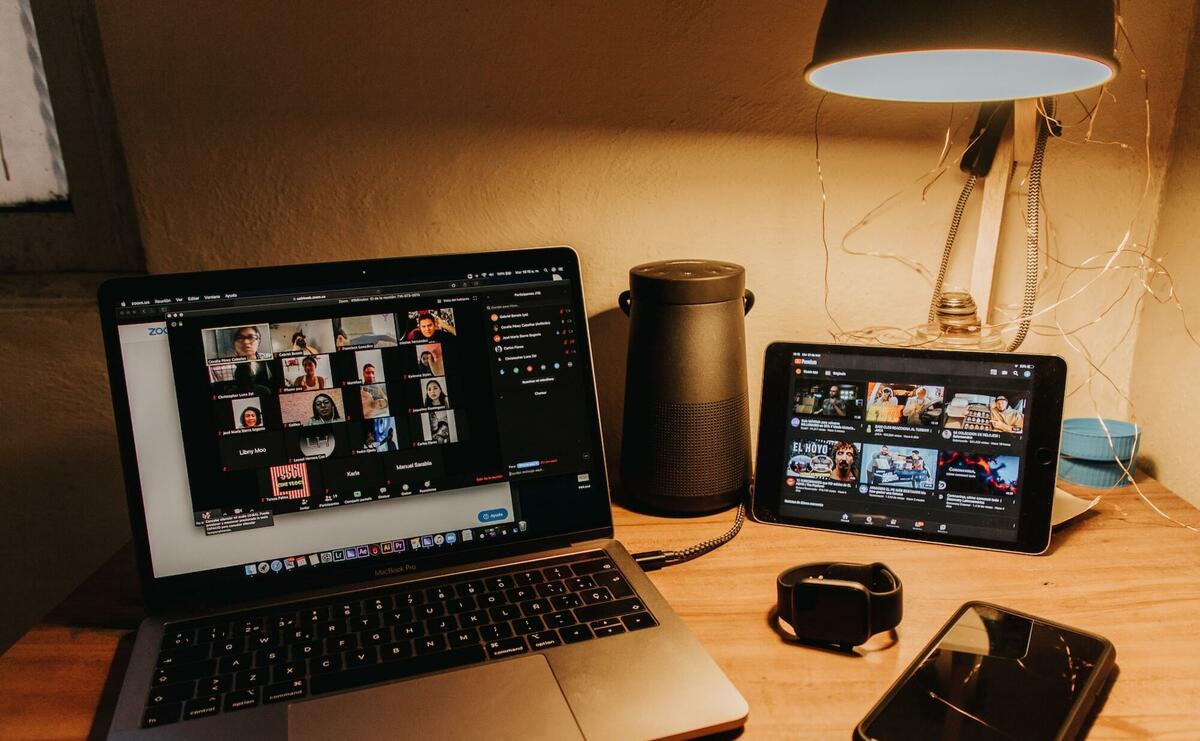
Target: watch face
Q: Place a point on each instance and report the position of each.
(831, 611)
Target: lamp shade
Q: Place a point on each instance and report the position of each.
(963, 50)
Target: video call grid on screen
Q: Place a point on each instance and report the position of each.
(863, 439)
(298, 400)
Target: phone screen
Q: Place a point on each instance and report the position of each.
(992, 676)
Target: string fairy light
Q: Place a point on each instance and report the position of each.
(1129, 258)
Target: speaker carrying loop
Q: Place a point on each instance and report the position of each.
(748, 301)
(623, 302)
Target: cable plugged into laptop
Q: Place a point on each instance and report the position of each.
(655, 560)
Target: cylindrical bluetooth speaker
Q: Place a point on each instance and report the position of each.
(686, 441)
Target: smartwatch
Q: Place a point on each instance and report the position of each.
(839, 603)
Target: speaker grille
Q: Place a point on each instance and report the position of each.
(698, 450)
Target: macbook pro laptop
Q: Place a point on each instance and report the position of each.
(369, 500)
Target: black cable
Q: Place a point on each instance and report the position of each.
(654, 560)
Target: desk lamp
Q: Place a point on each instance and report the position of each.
(1004, 55)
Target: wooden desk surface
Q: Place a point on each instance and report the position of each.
(1123, 572)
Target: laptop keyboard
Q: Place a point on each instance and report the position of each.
(243, 660)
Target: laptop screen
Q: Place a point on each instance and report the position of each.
(318, 427)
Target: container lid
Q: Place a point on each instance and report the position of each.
(1086, 438)
(687, 282)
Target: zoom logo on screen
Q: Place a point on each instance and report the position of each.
(156, 331)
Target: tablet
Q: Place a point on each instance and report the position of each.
(935, 445)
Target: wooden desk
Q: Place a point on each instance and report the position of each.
(1123, 572)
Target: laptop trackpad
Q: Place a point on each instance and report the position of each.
(518, 698)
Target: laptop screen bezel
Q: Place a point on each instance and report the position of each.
(216, 588)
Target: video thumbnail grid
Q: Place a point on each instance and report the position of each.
(302, 401)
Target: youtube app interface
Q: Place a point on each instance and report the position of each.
(324, 427)
(934, 446)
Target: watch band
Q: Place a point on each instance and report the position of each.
(883, 588)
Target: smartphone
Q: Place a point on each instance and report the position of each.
(994, 674)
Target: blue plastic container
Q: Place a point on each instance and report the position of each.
(1086, 456)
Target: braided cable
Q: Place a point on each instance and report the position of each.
(1032, 229)
(698, 550)
(955, 220)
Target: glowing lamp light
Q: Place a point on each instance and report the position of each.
(963, 50)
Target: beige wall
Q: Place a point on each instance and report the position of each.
(1165, 384)
(275, 132)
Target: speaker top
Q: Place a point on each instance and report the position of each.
(687, 282)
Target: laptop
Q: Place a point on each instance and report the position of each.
(369, 499)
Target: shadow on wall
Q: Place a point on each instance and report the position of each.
(610, 342)
(64, 501)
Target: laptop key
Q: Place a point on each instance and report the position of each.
(250, 678)
(474, 619)
(286, 672)
(201, 707)
(460, 638)
(409, 630)
(185, 655)
(566, 601)
(615, 608)
(307, 649)
(178, 638)
(498, 583)
(215, 685)
(637, 622)
(430, 644)
(441, 625)
(492, 599)
(210, 633)
(376, 637)
(161, 715)
(361, 657)
(430, 610)
(560, 619)
(543, 639)
(616, 584)
(469, 588)
(340, 643)
(438, 594)
(331, 628)
(550, 589)
(396, 651)
(460, 604)
(390, 670)
(183, 672)
(592, 567)
(557, 572)
(504, 612)
(609, 630)
(528, 625)
(575, 633)
(496, 631)
(521, 594)
(170, 693)
(229, 647)
(506, 647)
(580, 583)
(409, 599)
(284, 691)
(535, 607)
(241, 699)
(593, 596)
(526, 578)
(325, 664)
(398, 615)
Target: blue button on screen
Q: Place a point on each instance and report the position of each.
(492, 515)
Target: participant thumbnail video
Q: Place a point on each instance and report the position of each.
(247, 413)
(373, 330)
(899, 466)
(303, 338)
(431, 325)
(433, 392)
(841, 400)
(312, 407)
(898, 403)
(438, 428)
(978, 473)
(374, 400)
(429, 359)
(308, 372)
(236, 343)
(379, 435)
(320, 441)
(289, 481)
(985, 413)
(368, 367)
(832, 460)
(260, 377)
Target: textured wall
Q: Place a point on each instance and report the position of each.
(275, 132)
(1164, 387)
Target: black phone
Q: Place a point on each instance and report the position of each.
(995, 674)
